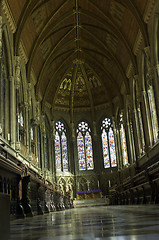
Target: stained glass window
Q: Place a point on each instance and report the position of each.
(84, 146)
(123, 142)
(32, 134)
(20, 119)
(112, 148)
(108, 144)
(64, 152)
(153, 113)
(61, 153)
(141, 127)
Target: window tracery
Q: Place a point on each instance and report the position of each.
(84, 147)
(108, 144)
(61, 148)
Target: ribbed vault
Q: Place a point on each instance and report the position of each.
(80, 52)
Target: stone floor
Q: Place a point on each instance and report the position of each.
(104, 222)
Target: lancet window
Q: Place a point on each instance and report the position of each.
(61, 147)
(123, 142)
(108, 144)
(84, 147)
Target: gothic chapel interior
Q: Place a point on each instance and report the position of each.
(79, 103)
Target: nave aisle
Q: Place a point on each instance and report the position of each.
(105, 222)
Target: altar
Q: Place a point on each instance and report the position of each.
(91, 194)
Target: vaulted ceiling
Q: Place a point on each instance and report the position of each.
(80, 53)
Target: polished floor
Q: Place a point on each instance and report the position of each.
(104, 222)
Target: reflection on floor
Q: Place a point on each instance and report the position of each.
(104, 222)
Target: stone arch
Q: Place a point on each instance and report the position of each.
(7, 41)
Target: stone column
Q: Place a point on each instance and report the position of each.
(97, 156)
(53, 166)
(147, 124)
(95, 149)
(37, 123)
(7, 109)
(73, 159)
(28, 122)
(148, 81)
(35, 140)
(1, 100)
(156, 89)
(42, 143)
(12, 112)
(73, 162)
(27, 139)
(132, 141)
(138, 135)
(17, 85)
(1, 31)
